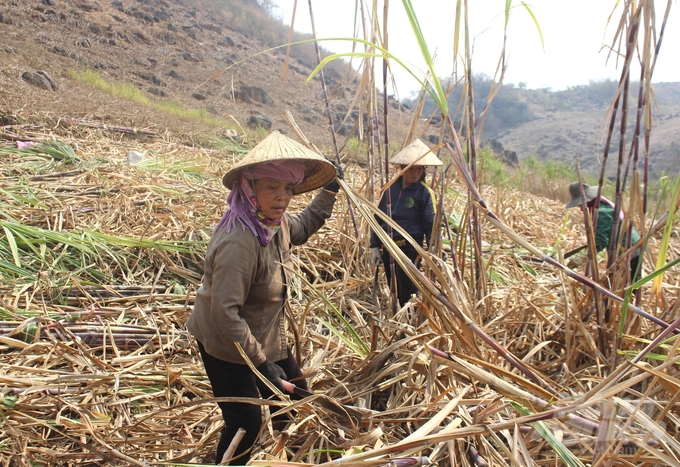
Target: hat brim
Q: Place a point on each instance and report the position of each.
(573, 203)
(416, 153)
(317, 174)
(590, 192)
(277, 147)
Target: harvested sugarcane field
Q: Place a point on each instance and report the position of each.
(530, 338)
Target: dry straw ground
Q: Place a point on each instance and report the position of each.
(96, 367)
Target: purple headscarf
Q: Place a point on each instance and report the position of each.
(243, 205)
(288, 170)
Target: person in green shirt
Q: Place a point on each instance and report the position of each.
(603, 229)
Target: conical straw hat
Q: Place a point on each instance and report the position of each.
(412, 152)
(277, 147)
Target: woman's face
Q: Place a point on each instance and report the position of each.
(413, 174)
(273, 196)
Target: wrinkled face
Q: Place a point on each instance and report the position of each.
(273, 196)
(413, 174)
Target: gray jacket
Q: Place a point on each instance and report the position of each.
(245, 285)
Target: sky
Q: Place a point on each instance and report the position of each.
(575, 36)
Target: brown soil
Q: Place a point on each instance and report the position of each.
(166, 47)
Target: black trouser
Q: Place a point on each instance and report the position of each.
(405, 288)
(238, 380)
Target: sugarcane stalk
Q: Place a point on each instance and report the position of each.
(592, 256)
(328, 109)
(407, 462)
(120, 129)
(641, 105)
(612, 119)
(473, 326)
(123, 337)
(386, 146)
(620, 177)
(371, 157)
(88, 328)
(55, 175)
(476, 457)
(480, 282)
(624, 86)
(648, 127)
(240, 433)
(503, 386)
(536, 252)
(459, 433)
(567, 413)
(427, 286)
(454, 255)
(51, 391)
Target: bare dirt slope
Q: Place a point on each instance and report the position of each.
(168, 50)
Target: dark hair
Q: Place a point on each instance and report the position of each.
(422, 177)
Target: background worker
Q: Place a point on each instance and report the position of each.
(247, 272)
(603, 229)
(412, 208)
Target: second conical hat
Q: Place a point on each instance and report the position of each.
(413, 152)
(277, 147)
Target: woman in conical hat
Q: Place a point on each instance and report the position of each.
(412, 207)
(247, 270)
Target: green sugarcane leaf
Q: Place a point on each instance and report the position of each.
(22, 199)
(538, 26)
(663, 246)
(560, 449)
(358, 345)
(440, 99)
(508, 8)
(343, 337)
(58, 150)
(436, 96)
(636, 285)
(12, 246)
(11, 267)
(649, 356)
(8, 400)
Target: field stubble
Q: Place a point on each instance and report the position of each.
(98, 367)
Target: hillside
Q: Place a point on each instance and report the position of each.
(94, 58)
(572, 123)
(102, 58)
(560, 125)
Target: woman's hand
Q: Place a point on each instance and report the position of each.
(273, 373)
(577, 261)
(290, 387)
(333, 186)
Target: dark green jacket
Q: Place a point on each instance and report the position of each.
(603, 229)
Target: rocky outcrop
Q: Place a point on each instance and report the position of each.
(253, 94)
(5, 18)
(504, 155)
(260, 121)
(40, 79)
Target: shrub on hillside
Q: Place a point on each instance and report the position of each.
(508, 109)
